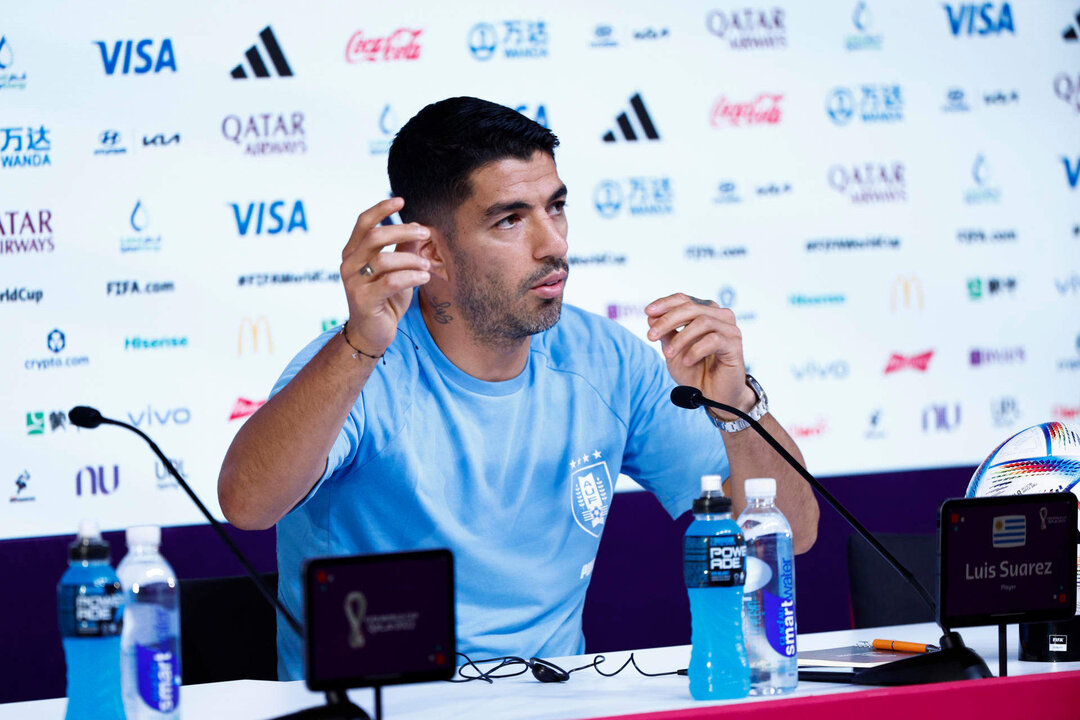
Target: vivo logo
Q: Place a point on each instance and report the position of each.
(836, 370)
(275, 223)
(95, 480)
(150, 416)
(143, 55)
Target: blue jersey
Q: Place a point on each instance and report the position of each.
(514, 477)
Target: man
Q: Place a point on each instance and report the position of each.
(462, 406)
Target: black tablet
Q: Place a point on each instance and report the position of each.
(379, 619)
(1008, 559)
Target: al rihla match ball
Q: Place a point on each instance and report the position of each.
(1042, 459)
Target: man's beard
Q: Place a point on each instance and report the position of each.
(497, 314)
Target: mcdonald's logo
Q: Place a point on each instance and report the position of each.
(907, 293)
(254, 336)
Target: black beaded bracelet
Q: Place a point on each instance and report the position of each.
(358, 350)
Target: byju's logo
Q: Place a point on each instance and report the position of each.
(955, 101)
(34, 153)
(813, 370)
(140, 241)
(92, 481)
(941, 418)
(920, 362)
(9, 80)
(144, 56)
(749, 28)
(1067, 88)
(863, 38)
(1072, 171)
(627, 130)
(23, 231)
(267, 133)
(399, 45)
(870, 182)
(982, 19)
(639, 195)
(517, 38)
(870, 103)
(979, 288)
(763, 110)
(979, 357)
(255, 59)
(985, 190)
(271, 210)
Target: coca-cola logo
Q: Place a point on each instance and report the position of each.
(762, 110)
(399, 45)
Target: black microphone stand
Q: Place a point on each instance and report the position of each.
(338, 706)
(954, 661)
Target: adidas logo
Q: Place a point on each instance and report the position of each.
(255, 59)
(627, 130)
(1070, 34)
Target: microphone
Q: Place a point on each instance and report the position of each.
(90, 418)
(954, 661)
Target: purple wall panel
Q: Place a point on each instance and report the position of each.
(636, 598)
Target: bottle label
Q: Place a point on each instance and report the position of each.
(779, 600)
(714, 561)
(91, 611)
(158, 673)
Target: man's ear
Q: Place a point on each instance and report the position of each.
(433, 249)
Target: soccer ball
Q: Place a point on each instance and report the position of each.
(1041, 459)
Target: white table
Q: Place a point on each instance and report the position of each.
(586, 694)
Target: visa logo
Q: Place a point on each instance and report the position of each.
(144, 56)
(1072, 173)
(962, 19)
(259, 211)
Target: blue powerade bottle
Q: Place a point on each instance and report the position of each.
(714, 555)
(91, 609)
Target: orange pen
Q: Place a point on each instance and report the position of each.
(901, 646)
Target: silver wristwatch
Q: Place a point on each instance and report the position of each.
(756, 412)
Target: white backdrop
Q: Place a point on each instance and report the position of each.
(884, 192)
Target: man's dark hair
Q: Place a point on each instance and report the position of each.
(434, 153)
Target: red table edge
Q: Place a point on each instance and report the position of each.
(1045, 695)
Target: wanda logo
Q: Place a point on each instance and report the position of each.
(762, 110)
(398, 45)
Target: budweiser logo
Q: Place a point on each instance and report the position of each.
(762, 110)
(1064, 412)
(916, 362)
(245, 407)
(816, 429)
(398, 45)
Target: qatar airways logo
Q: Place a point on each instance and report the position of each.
(869, 183)
(399, 45)
(762, 110)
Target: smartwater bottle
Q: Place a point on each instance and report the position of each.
(91, 610)
(769, 597)
(150, 644)
(713, 561)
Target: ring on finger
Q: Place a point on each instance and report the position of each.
(367, 270)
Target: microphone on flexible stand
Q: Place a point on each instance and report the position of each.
(338, 703)
(954, 661)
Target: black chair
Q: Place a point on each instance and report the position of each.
(227, 630)
(879, 594)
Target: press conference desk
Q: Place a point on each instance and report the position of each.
(1032, 690)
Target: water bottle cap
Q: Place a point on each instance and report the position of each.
(711, 483)
(143, 535)
(760, 488)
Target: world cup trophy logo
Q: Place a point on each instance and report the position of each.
(355, 609)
